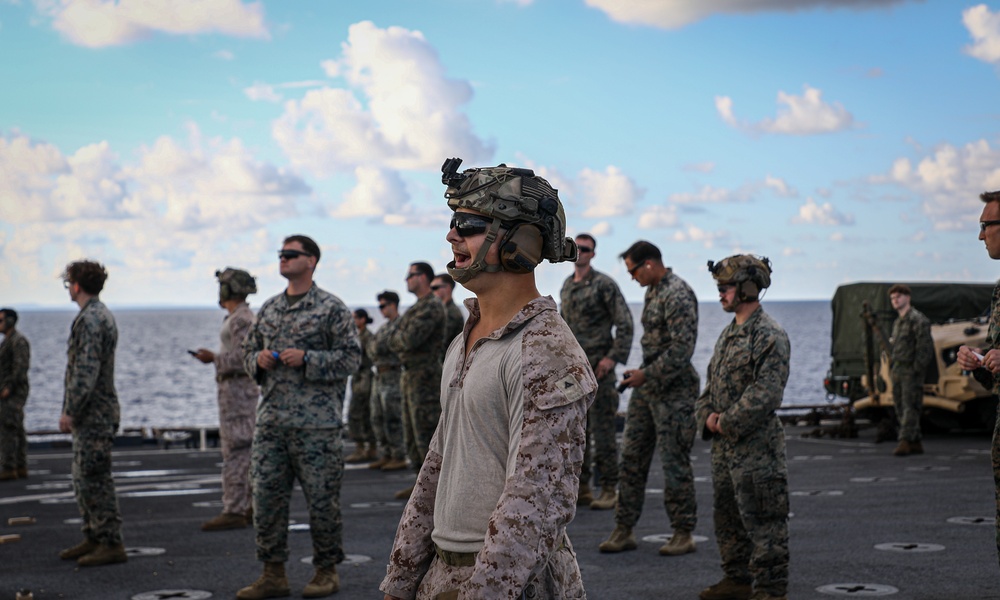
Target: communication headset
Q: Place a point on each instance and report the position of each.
(521, 249)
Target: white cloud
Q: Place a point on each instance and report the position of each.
(99, 23)
(707, 239)
(789, 251)
(224, 55)
(378, 192)
(797, 115)
(673, 14)
(656, 217)
(702, 167)
(811, 213)
(748, 191)
(399, 110)
(608, 194)
(837, 236)
(984, 27)
(780, 187)
(262, 91)
(601, 229)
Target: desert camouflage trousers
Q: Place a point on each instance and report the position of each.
(359, 415)
(421, 388)
(657, 417)
(996, 475)
(94, 485)
(601, 446)
(237, 417)
(387, 415)
(751, 514)
(560, 579)
(314, 457)
(908, 398)
(13, 441)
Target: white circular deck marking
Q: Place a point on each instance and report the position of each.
(872, 479)
(375, 504)
(139, 551)
(813, 457)
(928, 468)
(857, 590)
(662, 538)
(909, 547)
(76, 521)
(349, 559)
(299, 527)
(817, 493)
(208, 504)
(973, 521)
(180, 594)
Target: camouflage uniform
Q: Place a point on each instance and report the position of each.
(498, 495)
(993, 383)
(417, 341)
(662, 409)
(15, 356)
(300, 421)
(745, 383)
(238, 397)
(387, 401)
(91, 401)
(590, 308)
(454, 322)
(912, 350)
(359, 416)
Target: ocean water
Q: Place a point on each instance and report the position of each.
(160, 385)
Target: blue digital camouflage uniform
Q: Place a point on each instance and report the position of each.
(387, 399)
(417, 341)
(539, 389)
(300, 420)
(238, 396)
(91, 401)
(912, 351)
(993, 383)
(359, 416)
(661, 411)
(591, 307)
(745, 385)
(15, 356)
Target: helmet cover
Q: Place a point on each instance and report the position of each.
(742, 267)
(235, 283)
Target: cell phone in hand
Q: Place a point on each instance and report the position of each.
(192, 353)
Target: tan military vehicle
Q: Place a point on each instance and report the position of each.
(859, 371)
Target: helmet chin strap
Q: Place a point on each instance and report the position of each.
(479, 264)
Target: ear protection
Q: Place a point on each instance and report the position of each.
(521, 249)
(748, 289)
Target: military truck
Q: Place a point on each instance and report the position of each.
(859, 369)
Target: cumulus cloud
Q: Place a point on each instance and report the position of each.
(812, 213)
(377, 192)
(610, 193)
(674, 14)
(262, 91)
(984, 27)
(658, 217)
(398, 109)
(99, 23)
(702, 167)
(708, 239)
(602, 229)
(748, 191)
(797, 115)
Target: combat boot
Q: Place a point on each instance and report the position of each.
(8, 475)
(372, 452)
(759, 595)
(727, 589)
(378, 464)
(359, 455)
(395, 464)
(84, 547)
(22, 473)
(680, 543)
(903, 449)
(585, 496)
(620, 539)
(916, 448)
(103, 554)
(403, 494)
(325, 582)
(225, 521)
(272, 584)
(606, 500)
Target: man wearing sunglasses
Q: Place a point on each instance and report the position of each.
(387, 400)
(417, 341)
(488, 515)
(443, 287)
(736, 410)
(301, 349)
(985, 362)
(912, 353)
(591, 304)
(661, 408)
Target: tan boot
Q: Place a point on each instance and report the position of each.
(727, 589)
(766, 596)
(225, 521)
(606, 500)
(272, 584)
(104, 554)
(680, 543)
(916, 448)
(403, 494)
(395, 464)
(585, 496)
(8, 475)
(378, 464)
(325, 582)
(903, 449)
(84, 547)
(620, 539)
(372, 452)
(359, 455)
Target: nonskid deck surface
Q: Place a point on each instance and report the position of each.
(864, 523)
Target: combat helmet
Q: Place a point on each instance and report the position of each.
(523, 204)
(235, 283)
(750, 273)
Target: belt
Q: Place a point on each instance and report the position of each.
(456, 559)
(384, 368)
(227, 376)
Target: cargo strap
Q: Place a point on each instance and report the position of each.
(456, 559)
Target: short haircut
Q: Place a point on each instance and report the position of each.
(424, 269)
(10, 315)
(446, 278)
(589, 238)
(900, 288)
(990, 196)
(388, 296)
(362, 314)
(640, 252)
(307, 242)
(90, 275)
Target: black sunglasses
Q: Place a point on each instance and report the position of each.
(382, 306)
(468, 224)
(585, 249)
(984, 224)
(436, 287)
(725, 287)
(635, 268)
(291, 254)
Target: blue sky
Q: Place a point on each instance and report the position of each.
(846, 140)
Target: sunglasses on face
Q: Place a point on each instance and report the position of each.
(436, 287)
(467, 224)
(291, 254)
(382, 306)
(635, 268)
(724, 287)
(585, 249)
(984, 224)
